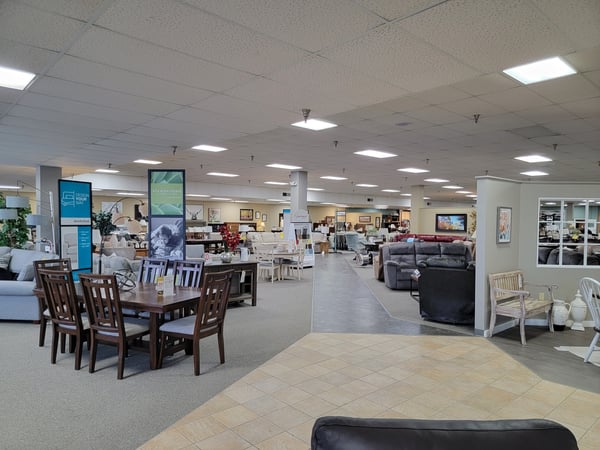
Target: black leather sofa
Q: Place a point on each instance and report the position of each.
(447, 291)
(346, 433)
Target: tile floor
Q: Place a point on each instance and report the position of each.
(359, 361)
(376, 375)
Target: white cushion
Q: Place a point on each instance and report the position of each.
(132, 326)
(184, 325)
(27, 273)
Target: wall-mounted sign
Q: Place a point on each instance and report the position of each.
(166, 191)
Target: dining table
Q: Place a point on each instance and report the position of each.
(145, 298)
(282, 255)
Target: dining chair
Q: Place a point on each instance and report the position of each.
(590, 290)
(294, 264)
(107, 323)
(151, 269)
(65, 312)
(52, 264)
(208, 320)
(267, 265)
(189, 274)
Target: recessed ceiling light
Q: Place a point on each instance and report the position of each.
(436, 180)
(3, 187)
(240, 201)
(97, 189)
(366, 185)
(451, 186)
(197, 195)
(413, 170)
(471, 195)
(15, 79)
(426, 198)
(147, 161)
(533, 158)
(546, 69)
(107, 170)
(209, 148)
(375, 154)
(534, 173)
(405, 195)
(314, 124)
(330, 177)
(550, 203)
(278, 183)
(222, 199)
(381, 206)
(390, 190)
(315, 189)
(463, 192)
(284, 166)
(130, 194)
(273, 200)
(221, 174)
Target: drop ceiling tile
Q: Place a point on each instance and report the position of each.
(435, 115)
(486, 84)
(321, 75)
(220, 121)
(9, 96)
(103, 97)
(593, 77)
(566, 89)
(123, 81)
(584, 108)
(161, 21)
(546, 114)
(393, 55)
(310, 25)
(516, 99)
(23, 24)
(190, 131)
(585, 60)
(404, 104)
(176, 67)
(394, 10)
(71, 107)
(24, 57)
(81, 10)
(237, 107)
(491, 43)
(572, 126)
(473, 105)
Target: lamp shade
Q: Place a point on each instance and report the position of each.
(134, 227)
(8, 214)
(16, 201)
(37, 219)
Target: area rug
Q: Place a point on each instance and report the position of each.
(581, 352)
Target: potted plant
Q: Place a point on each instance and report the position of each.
(14, 233)
(102, 221)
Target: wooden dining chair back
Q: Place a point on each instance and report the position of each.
(107, 324)
(65, 311)
(52, 264)
(590, 291)
(267, 265)
(208, 320)
(151, 269)
(188, 273)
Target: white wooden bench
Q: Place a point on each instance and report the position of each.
(509, 297)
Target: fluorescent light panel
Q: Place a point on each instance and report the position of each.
(129, 193)
(283, 166)
(314, 124)
(107, 170)
(197, 195)
(315, 189)
(221, 174)
(546, 69)
(147, 161)
(436, 180)
(534, 173)
(221, 199)
(277, 183)
(413, 170)
(390, 190)
(366, 185)
(15, 79)
(9, 187)
(452, 186)
(375, 154)
(533, 158)
(209, 148)
(330, 177)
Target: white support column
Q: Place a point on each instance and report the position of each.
(298, 189)
(46, 181)
(416, 204)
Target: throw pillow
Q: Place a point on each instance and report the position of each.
(446, 261)
(27, 273)
(5, 261)
(6, 274)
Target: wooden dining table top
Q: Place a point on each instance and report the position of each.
(145, 297)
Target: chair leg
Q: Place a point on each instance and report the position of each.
(78, 352)
(42, 339)
(196, 357)
(592, 345)
(492, 322)
(55, 339)
(221, 346)
(522, 329)
(550, 320)
(121, 365)
(161, 353)
(93, 351)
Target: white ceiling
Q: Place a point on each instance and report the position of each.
(126, 79)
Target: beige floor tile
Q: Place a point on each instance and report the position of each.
(314, 386)
(490, 399)
(284, 441)
(169, 439)
(288, 417)
(258, 430)
(315, 406)
(201, 429)
(291, 395)
(270, 384)
(338, 396)
(227, 440)
(264, 405)
(243, 392)
(235, 416)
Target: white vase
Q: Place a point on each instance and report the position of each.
(243, 254)
(560, 314)
(578, 312)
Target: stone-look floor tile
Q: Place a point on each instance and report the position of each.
(294, 377)
(338, 396)
(243, 392)
(168, 439)
(270, 384)
(314, 386)
(550, 393)
(284, 441)
(523, 407)
(288, 417)
(490, 399)
(235, 416)
(460, 411)
(201, 429)
(315, 406)
(264, 405)
(364, 408)
(291, 395)
(214, 405)
(257, 430)
(228, 440)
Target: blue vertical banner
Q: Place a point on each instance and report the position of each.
(75, 218)
(166, 221)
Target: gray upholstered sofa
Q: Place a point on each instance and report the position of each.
(346, 433)
(17, 300)
(401, 259)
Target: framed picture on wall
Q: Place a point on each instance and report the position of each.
(377, 222)
(214, 215)
(503, 225)
(364, 219)
(257, 215)
(246, 214)
(264, 217)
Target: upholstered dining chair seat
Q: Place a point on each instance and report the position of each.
(84, 321)
(132, 326)
(184, 325)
